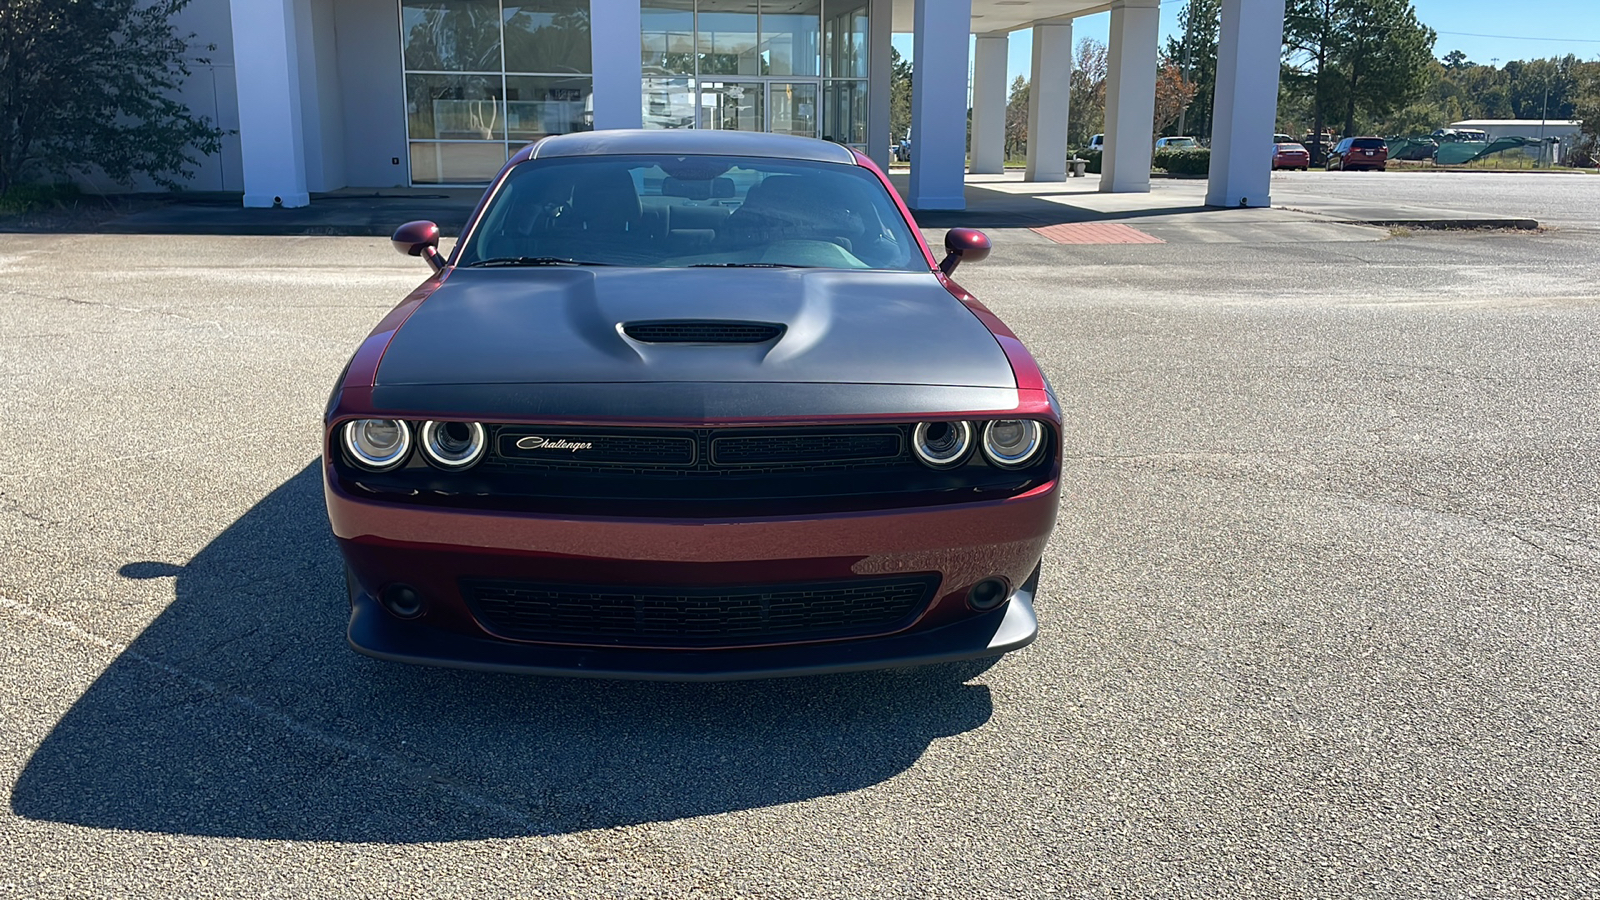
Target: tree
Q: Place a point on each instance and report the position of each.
(1383, 57)
(1173, 95)
(1363, 59)
(94, 83)
(1088, 100)
(1017, 119)
(899, 96)
(1196, 55)
(1455, 59)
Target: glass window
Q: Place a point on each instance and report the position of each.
(695, 210)
(464, 162)
(667, 37)
(726, 42)
(845, 38)
(669, 103)
(540, 105)
(451, 35)
(732, 105)
(790, 37)
(454, 107)
(794, 108)
(844, 112)
(548, 36)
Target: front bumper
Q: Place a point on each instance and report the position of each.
(1011, 627)
(433, 550)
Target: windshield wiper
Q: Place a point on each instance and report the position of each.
(533, 261)
(746, 266)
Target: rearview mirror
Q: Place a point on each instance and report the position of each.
(963, 244)
(419, 239)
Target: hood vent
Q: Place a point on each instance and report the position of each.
(701, 331)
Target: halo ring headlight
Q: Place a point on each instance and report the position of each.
(1012, 442)
(941, 444)
(377, 444)
(453, 445)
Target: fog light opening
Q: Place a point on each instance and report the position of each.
(988, 593)
(402, 600)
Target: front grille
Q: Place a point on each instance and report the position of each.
(697, 617)
(692, 453)
(686, 331)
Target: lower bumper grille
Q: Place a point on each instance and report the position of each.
(697, 617)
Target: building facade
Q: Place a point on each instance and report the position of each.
(329, 94)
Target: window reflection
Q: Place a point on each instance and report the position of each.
(790, 37)
(537, 106)
(548, 36)
(454, 107)
(727, 41)
(666, 43)
(845, 38)
(451, 35)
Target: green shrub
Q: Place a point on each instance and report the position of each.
(23, 198)
(1093, 158)
(1184, 161)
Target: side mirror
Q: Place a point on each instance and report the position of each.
(419, 239)
(963, 244)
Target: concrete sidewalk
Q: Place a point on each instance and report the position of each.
(1174, 211)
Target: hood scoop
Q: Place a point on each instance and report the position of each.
(702, 331)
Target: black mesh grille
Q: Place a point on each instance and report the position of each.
(802, 448)
(699, 452)
(693, 332)
(700, 617)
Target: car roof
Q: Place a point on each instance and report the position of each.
(691, 142)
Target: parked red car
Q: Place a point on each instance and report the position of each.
(691, 405)
(1290, 156)
(1355, 153)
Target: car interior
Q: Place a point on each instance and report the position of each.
(671, 211)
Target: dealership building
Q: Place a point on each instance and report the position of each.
(331, 94)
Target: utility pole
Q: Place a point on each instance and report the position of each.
(1188, 29)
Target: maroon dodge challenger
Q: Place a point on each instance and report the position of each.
(691, 405)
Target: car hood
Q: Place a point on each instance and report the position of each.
(563, 325)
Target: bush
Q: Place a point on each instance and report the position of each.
(1093, 158)
(25, 198)
(1184, 161)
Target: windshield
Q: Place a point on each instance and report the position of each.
(1182, 142)
(679, 211)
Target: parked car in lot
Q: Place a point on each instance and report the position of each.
(1176, 143)
(1290, 156)
(690, 405)
(1356, 153)
(902, 150)
(1097, 142)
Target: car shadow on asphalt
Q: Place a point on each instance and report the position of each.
(241, 712)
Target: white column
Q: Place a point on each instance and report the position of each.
(1245, 112)
(267, 77)
(880, 25)
(938, 104)
(614, 29)
(988, 150)
(1049, 94)
(1130, 96)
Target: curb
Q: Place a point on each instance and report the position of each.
(1450, 224)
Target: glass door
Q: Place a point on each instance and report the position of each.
(733, 105)
(794, 108)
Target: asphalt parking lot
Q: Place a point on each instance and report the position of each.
(1320, 616)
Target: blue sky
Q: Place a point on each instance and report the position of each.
(1515, 31)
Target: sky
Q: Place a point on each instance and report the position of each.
(1485, 30)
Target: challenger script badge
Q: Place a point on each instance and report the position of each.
(542, 443)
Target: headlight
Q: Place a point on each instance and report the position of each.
(1012, 442)
(942, 444)
(377, 444)
(452, 445)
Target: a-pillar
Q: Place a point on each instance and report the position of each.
(267, 77)
(1130, 96)
(614, 28)
(1049, 94)
(938, 104)
(988, 151)
(1244, 114)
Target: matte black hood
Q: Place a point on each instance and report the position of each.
(508, 326)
